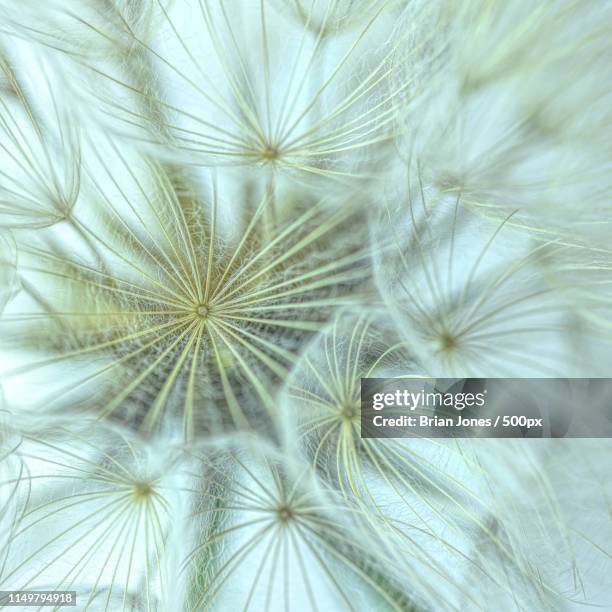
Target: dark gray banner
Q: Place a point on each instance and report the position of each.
(486, 407)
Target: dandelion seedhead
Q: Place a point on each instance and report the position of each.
(174, 316)
(95, 509)
(392, 481)
(269, 527)
(300, 103)
(220, 220)
(479, 313)
(322, 398)
(40, 152)
(516, 119)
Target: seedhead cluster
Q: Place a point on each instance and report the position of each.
(217, 218)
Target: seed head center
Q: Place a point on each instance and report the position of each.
(142, 489)
(202, 310)
(284, 513)
(447, 341)
(270, 153)
(350, 410)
